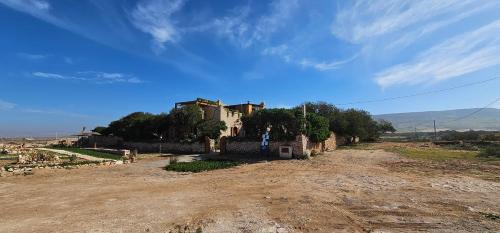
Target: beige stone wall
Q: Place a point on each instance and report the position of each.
(172, 147)
(299, 147)
(330, 143)
(231, 118)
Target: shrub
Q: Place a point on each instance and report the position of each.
(285, 124)
(491, 151)
(317, 127)
(199, 166)
(211, 128)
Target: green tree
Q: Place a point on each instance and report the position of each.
(317, 127)
(135, 126)
(361, 124)
(336, 117)
(211, 128)
(184, 122)
(100, 130)
(285, 124)
(385, 126)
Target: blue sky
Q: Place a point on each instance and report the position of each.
(65, 65)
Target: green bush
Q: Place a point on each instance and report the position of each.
(211, 128)
(350, 122)
(199, 166)
(317, 127)
(285, 124)
(491, 151)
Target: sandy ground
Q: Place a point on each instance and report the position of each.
(341, 191)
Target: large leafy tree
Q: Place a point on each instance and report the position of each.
(385, 126)
(135, 126)
(285, 124)
(350, 122)
(184, 121)
(211, 128)
(317, 127)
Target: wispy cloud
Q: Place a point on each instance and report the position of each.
(471, 51)
(69, 60)
(365, 20)
(4, 105)
(54, 112)
(242, 29)
(154, 18)
(92, 76)
(283, 52)
(325, 65)
(31, 56)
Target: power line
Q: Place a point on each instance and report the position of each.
(453, 120)
(420, 93)
(476, 111)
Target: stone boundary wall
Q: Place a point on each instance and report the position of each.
(253, 147)
(102, 141)
(301, 146)
(111, 151)
(207, 146)
(329, 144)
(173, 147)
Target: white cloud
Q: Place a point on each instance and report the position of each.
(240, 28)
(42, 5)
(283, 52)
(4, 105)
(326, 65)
(28, 5)
(54, 112)
(154, 17)
(277, 50)
(69, 60)
(30, 56)
(40, 9)
(459, 55)
(93, 77)
(414, 35)
(365, 20)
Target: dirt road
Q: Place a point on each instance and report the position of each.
(342, 191)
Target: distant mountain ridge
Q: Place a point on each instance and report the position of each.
(486, 119)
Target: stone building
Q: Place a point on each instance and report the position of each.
(230, 114)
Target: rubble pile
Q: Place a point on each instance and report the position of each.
(9, 149)
(29, 169)
(36, 156)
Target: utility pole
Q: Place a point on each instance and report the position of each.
(435, 133)
(305, 119)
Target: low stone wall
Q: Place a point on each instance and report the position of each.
(207, 146)
(111, 151)
(330, 143)
(299, 147)
(102, 141)
(173, 147)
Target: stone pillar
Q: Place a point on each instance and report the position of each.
(300, 147)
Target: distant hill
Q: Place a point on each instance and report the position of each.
(486, 119)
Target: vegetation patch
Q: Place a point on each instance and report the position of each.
(199, 166)
(92, 153)
(491, 151)
(436, 154)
